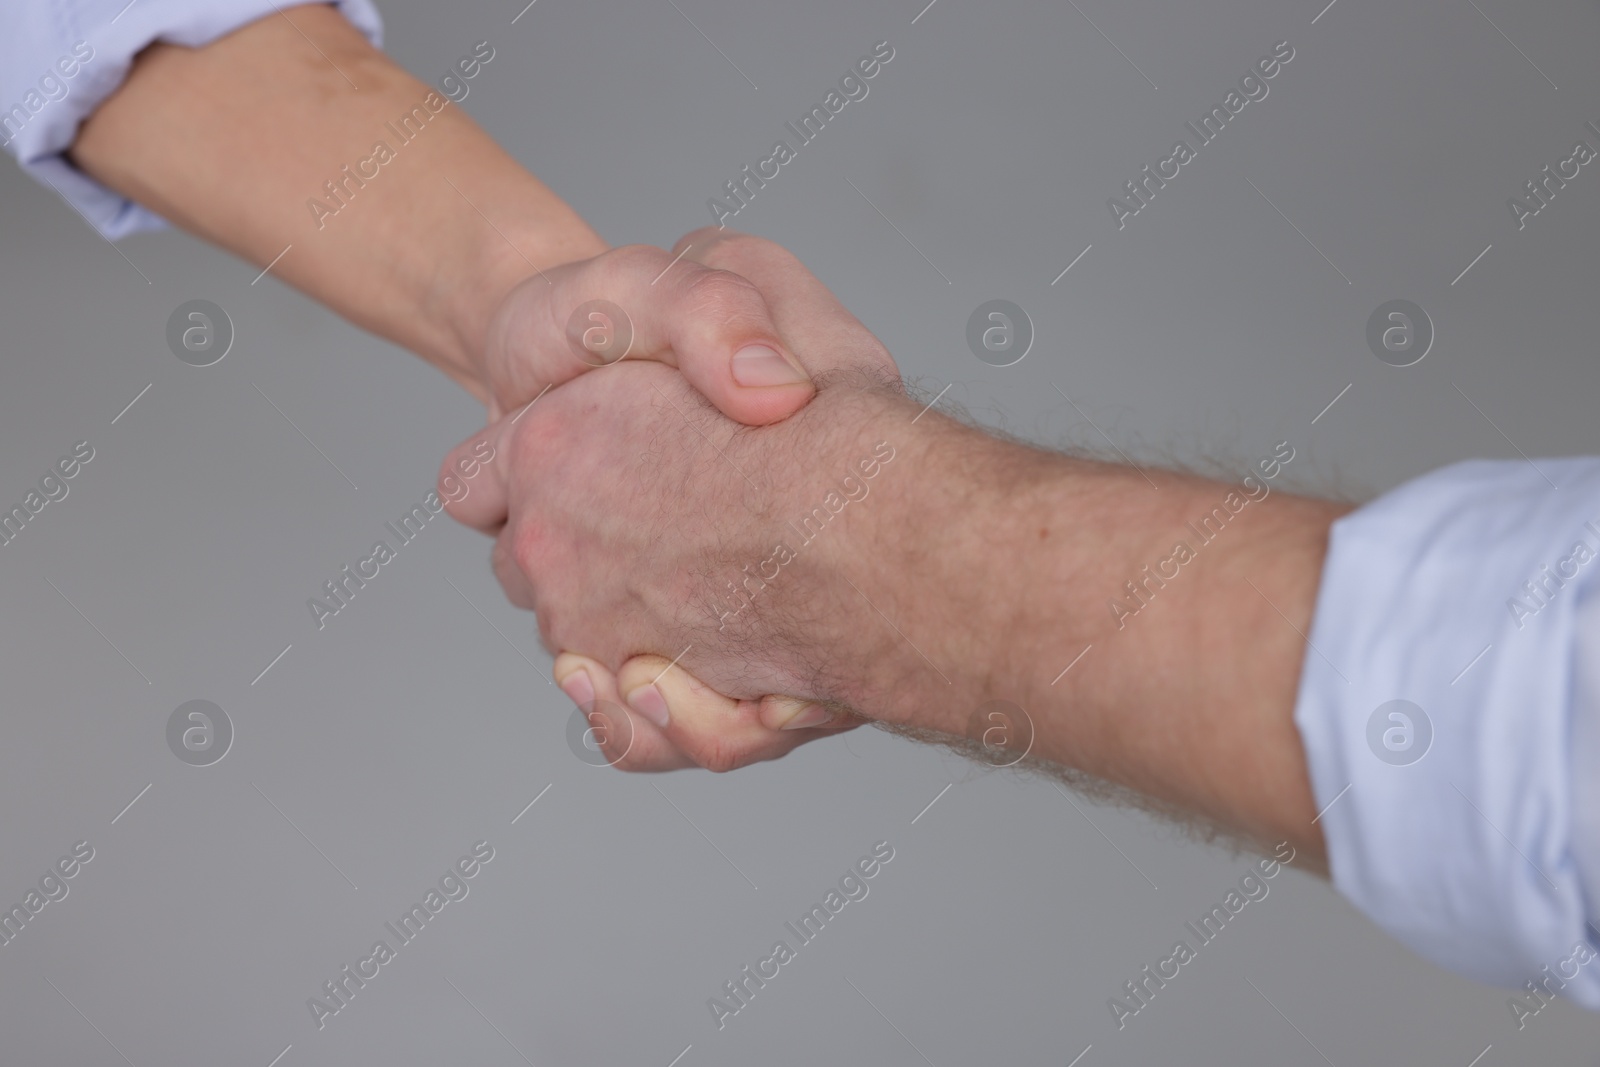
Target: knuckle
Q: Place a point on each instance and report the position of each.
(632, 260)
(538, 434)
(511, 581)
(720, 296)
(719, 756)
(527, 547)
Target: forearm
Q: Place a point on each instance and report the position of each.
(235, 140)
(1180, 686)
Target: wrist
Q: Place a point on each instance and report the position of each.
(1146, 622)
(469, 288)
(927, 624)
(999, 559)
(402, 255)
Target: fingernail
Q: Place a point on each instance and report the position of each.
(648, 701)
(810, 715)
(756, 365)
(579, 689)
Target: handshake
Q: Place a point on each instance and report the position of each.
(675, 440)
(739, 534)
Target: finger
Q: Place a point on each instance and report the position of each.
(514, 581)
(472, 480)
(798, 713)
(719, 733)
(628, 741)
(636, 302)
(820, 330)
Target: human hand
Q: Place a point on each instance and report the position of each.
(577, 530)
(640, 302)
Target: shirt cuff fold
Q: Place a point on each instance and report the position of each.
(42, 106)
(1436, 706)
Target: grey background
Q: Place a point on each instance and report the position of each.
(407, 729)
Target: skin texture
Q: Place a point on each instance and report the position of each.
(454, 251)
(973, 571)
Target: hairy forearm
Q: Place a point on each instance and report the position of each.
(1008, 574)
(233, 142)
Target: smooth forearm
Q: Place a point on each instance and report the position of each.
(1059, 585)
(235, 141)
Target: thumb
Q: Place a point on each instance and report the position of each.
(638, 302)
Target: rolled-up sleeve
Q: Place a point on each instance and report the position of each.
(60, 59)
(1450, 712)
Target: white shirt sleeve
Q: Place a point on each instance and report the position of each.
(59, 59)
(1450, 711)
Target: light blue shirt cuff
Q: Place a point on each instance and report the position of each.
(1460, 593)
(42, 105)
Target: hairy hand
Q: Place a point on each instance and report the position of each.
(639, 520)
